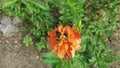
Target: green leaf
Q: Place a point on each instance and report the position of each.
(79, 25)
(83, 43)
(41, 44)
(39, 4)
(28, 5)
(93, 59)
(50, 58)
(58, 66)
(111, 57)
(27, 40)
(78, 62)
(8, 3)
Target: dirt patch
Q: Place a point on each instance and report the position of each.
(114, 44)
(13, 54)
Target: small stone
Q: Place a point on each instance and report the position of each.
(16, 46)
(37, 57)
(118, 26)
(6, 41)
(15, 60)
(5, 20)
(16, 42)
(9, 61)
(10, 30)
(16, 21)
(2, 27)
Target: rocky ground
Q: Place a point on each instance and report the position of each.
(13, 54)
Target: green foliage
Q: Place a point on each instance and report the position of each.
(27, 41)
(41, 44)
(34, 13)
(79, 26)
(71, 11)
(95, 33)
(50, 58)
(77, 62)
(96, 20)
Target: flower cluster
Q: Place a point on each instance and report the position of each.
(67, 43)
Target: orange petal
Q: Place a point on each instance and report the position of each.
(61, 43)
(60, 29)
(76, 42)
(76, 45)
(65, 29)
(52, 33)
(61, 53)
(78, 48)
(66, 47)
(69, 54)
(70, 35)
(76, 35)
(52, 40)
(66, 44)
(73, 34)
(55, 49)
(73, 53)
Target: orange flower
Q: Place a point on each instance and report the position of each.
(52, 39)
(62, 29)
(69, 41)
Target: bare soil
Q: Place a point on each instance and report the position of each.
(13, 54)
(114, 44)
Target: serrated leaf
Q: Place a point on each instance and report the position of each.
(40, 45)
(27, 40)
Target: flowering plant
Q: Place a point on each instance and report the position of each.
(100, 19)
(67, 43)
